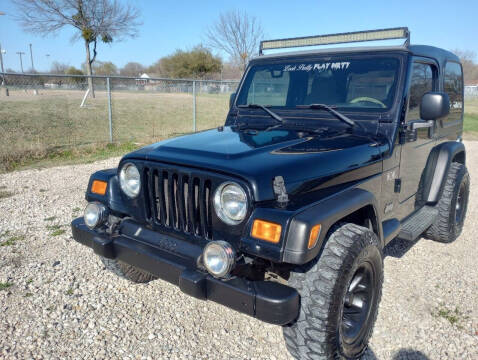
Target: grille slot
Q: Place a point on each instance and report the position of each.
(178, 201)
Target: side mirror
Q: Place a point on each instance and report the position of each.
(434, 105)
(231, 99)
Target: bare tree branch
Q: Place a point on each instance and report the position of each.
(95, 20)
(237, 34)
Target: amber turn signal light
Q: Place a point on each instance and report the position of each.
(99, 187)
(314, 236)
(267, 231)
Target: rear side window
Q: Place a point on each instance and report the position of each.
(421, 83)
(454, 88)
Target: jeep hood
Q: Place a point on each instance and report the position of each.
(305, 162)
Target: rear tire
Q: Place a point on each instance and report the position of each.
(127, 271)
(340, 293)
(452, 206)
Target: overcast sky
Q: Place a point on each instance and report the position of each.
(170, 25)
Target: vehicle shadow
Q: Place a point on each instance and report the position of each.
(398, 247)
(402, 354)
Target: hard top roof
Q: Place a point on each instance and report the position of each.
(418, 50)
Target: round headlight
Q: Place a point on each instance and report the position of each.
(95, 214)
(230, 203)
(219, 258)
(130, 180)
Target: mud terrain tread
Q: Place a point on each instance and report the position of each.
(444, 229)
(127, 271)
(313, 335)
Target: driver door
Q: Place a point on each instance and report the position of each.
(414, 154)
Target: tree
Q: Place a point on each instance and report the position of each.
(470, 67)
(58, 68)
(237, 34)
(132, 69)
(105, 68)
(94, 20)
(197, 63)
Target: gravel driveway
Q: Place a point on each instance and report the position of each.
(57, 301)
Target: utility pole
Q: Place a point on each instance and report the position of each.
(1, 62)
(20, 53)
(31, 57)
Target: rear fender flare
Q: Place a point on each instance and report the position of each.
(440, 160)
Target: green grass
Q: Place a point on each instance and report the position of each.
(5, 285)
(12, 240)
(44, 128)
(58, 232)
(51, 129)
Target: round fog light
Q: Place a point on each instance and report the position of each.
(219, 258)
(95, 214)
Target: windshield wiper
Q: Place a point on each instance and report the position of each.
(258, 106)
(331, 110)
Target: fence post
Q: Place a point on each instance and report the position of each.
(194, 106)
(108, 89)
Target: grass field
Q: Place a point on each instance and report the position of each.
(52, 128)
(34, 126)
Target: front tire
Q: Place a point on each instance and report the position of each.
(452, 206)
(340, 293)
(126, 271)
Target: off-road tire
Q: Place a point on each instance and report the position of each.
(318, 333)
(447, 227)
(127, 271)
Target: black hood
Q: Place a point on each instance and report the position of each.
(304, 161)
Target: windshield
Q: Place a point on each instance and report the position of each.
(363, 84)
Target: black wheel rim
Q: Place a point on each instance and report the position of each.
(357, 303)
(460, 205)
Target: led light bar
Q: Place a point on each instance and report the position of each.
(350, 37)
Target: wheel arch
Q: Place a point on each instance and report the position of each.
(353, 205)
(438, 164)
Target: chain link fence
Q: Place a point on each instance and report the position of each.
(39, 113)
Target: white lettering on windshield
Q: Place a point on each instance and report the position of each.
(342, 65)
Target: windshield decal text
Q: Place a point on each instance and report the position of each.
(341, 65)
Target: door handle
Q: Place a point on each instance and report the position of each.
(420, 124)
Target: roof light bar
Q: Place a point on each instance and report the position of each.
(350, 37)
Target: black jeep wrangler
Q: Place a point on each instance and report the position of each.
(283, 213)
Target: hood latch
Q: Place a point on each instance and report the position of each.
(280, 191)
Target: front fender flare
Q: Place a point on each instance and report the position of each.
(326, 213)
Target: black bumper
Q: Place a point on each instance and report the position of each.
(174, 260)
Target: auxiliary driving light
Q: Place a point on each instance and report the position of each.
(95, 214)
(219, 258)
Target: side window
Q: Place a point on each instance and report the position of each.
(421, 83)
(453, 86)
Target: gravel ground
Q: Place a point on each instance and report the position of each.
(61, 303)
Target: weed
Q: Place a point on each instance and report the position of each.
(50, 308)
(12, 240)
(5, 285)
(29, 281)
(43, 190)
(51, 218)
(28, 294)
(58, 232)
(5, 194)
(69, 292)
(53, 227)
(453, 316)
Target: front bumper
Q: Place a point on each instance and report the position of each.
(175, 261)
